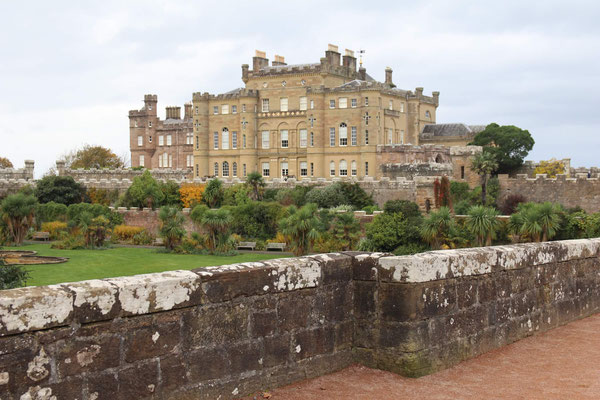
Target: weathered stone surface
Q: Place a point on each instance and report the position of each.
(153, 341)
(75, 357)
(215, 325)
(94, 300)
(138, 382)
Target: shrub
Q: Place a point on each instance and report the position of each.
(170, 191)
(388, 231)
(407, 208)
(102, 196)
(279, 238)
(296, 195)
(326, 197)
(191, 194)
(143, 192)
(462, 207)
(213, 194)
(550, 167)
(510, 203)
(355, 195)
(143, 238)
(17, 211)
(59, 189)
(54, 228)
(69, 242)
(256, 220)
(50, 211)
(369, 209)
(410, 248)
(76, 211)
(171, 229)
(237, 194)
(126, 232)
(12, 276)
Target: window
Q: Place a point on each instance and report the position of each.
(225, 139)
(366, 137)
(353, 136)
(283, 104)
(170, 160)
(234, 140)
(427, 114)
(225, 109)
(143, 164)
(303, 168)
(265, 169)
(312, 139)
(265, 139)
(196, 110)
(234, 169)
(390, 138)
(149, 124)
(303, 103)
(353, 168)
(343, 102)
(215, 110)
(462, 171)
(284, 139)
(135, 124)
(150, 107)
(343, 134)
(216, 140)
(331, 103)
(161, 140)
(367, 118)
(401, 107)
(244, 169)
(169, 140)
(190, 160)
(402, 136)
(160, 161)
(225, 168)
(216, 169)
(312, 104)
(331, 137)
(265, 105)
(234, 109)
(366, 168)
(332, 168)
(353, 103)
(303, 137)
(284, 169)
(244, 141)
(197, 142)
(366, 101)
(343, 168)
(391, 104)
(243, 108)
(312, 169)
(150, 139)
(189, 138)
(197, 170)
(140, 140)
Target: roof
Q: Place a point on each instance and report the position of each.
(278, 68)
(234, 91)
(452, 129)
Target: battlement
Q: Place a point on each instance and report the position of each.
(25, 173)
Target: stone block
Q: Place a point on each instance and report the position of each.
(277, 350)
(311, 342)
(294, 309)
(404, 336)
(103, 386)
(263, 323)
(94, 300)
(139, 382)
(208, 364)
(149, 342)
(173, 372)
(76, 357)
(245, 357)
(335, 268)
(364, 299)
(215, 325)
(400, 302)
(237, 280)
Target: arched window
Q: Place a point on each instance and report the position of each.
(438, 159)
(225, 168)
(343, 168)
(332, 168)
(216, 169)
(353, 168)
(225, 139)
(234, 169)
(343, 134)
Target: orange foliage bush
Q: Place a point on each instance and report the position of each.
(191, 194)
(54, 228)
(126, 232)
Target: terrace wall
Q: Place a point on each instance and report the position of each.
(223, 332)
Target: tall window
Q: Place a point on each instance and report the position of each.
(331, 103)
(366, 101)
(265, 139)
(343, 168)
(149, 124)
(402, 136)
(312, 139)
(367, 136)
(225, 139)
(391, 104)
(427, 114)
(225, 168)
(190, 160)
(303, 168)
(265, 105)
(216, 169)
(197, 142)
(343, 102)
(161, 140)
(244, 141)
(234, 140)
(234, 109)
(303, 137)
(135, 124)
(216, 140)
(142, 164)
(189, 138)
(284, 169)
(353, 137)
(243, 108)
(225, 109)
(266, 169)
(283, 104)
(234, 169)
(169, 142)
(215, 110)
(343, 134)
(140, 140)
(390, 138)
(312, 169)
(331, 137)
(401, 107)
(312, 104)
(197, 110)
(170, 160)
(353, 103)
(284, 139)
(332, 168)
(197, 170)
(366, 168)
(353, 168)
(150, 139)
(303, 103)
(244, 169)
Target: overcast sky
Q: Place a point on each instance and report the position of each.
(70, 71)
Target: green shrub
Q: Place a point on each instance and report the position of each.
(12, 276)
(369, 209)
(410, 248)
(50, 211)
(69, 242)
(407, 208)
(54, 228)
(389, 231)
(143, 238)
(126, 232)
(59, 189)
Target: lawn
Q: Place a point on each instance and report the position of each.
(121, 261)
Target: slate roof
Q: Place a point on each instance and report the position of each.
(453, 129)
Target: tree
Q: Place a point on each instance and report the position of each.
(346, 229)
(301, 227)
(171, 226)
(5, 163)
(217, 223)
(327, 197)
(509, 145)
(59, 189)
(145, 191)
(482, 222)
(436, 227)
(213, 194)
(17, 212)
(94, 229)
(551, 168)
(389, 231)
(96, 157)
(484, 164)
(256, 181)
(539, 221)
(408, 209)
(171, 196)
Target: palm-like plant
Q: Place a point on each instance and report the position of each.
(213, 194)
(256, 181)
(217, 223)
(484, 164)
(302, 227)
(482, 222)
(436, 227)
(346, 228)
(17, 211)
(538, 221)
(171, 227)
(548, 215)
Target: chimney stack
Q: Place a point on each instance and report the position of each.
(362, 73)
(259, 60)
(279, 60)
(245, 72)
(173, 112)
(188, 110)
(436, 97)
(332, 55)
(419, 92)
(388, 76)
(349, 60)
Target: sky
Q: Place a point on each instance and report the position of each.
(70, 71)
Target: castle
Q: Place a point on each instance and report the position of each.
(323, 120)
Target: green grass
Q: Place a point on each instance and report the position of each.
(120, 261)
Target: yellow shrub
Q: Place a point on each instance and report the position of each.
(191, 194)
(551, 167)
(126, 232)
(280, 238)
(54, 228)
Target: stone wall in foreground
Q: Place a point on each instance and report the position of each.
(223, 332)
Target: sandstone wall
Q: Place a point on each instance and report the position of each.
(12, 180)
(570, 192)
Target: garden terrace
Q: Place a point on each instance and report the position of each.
(223, 332)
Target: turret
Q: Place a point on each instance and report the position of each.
(150, 101)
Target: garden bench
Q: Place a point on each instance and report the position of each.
(41, 236)
(158, 242)
(246, 245)
(276, 246)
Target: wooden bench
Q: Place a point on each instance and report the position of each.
(276, 246)
(158, 242)
(246, 245)
(41, 236)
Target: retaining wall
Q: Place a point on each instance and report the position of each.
(223, 332)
